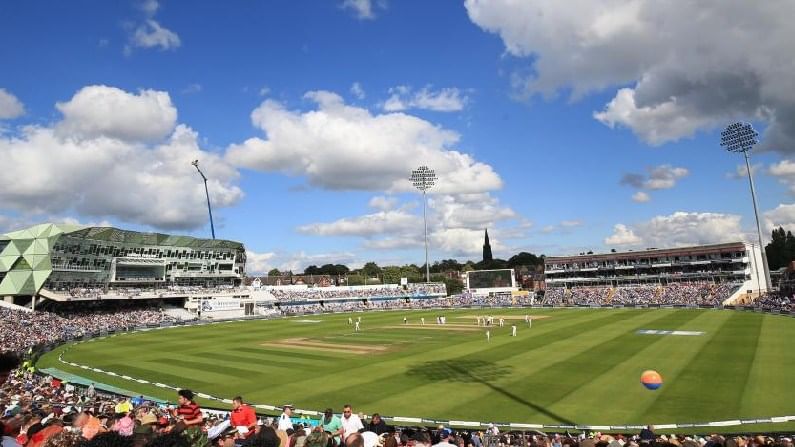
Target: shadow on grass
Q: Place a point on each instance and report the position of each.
(477, 371)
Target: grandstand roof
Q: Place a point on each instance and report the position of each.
(678, 251)
(111, 234)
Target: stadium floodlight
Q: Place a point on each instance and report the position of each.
(423, 178)
(741, 137)
(207, 193)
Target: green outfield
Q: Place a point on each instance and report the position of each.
(573, 366)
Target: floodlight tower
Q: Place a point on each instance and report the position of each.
(423, 179)
(207, 193)
(741, 137)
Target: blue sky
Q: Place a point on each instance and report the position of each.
(561, 128)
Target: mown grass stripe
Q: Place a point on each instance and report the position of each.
(287, 353)
(664, 353)
(772, 372)
(533, 392)
(372, 382)
(258, 360)
(158, 375)
(722, 366)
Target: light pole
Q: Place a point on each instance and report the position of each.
(423, 179)
(741, 137)
(207, 193)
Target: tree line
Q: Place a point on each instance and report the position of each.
(781, 249)
(440, 270)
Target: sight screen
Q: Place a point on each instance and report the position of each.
(490, 278)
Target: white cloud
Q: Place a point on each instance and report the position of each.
(784, 171)
(100, 110)
(101, 162)
(564, 226)
(151, 34)
(469, 211)
(264, 91)
(383, 203)
(781, 216)
(368, 225)
(455, 225)
(655, 124)
(443, 100)
(297, 262)
(741, 172)
(364, 9)
(690, 65)
(13, 223)
(192, 88)
(357, 91)
(679, 229)
(658, 177)
(259, 263)
(10, 106)
(622, 236)
(341, 147)
(640, 197)
(149, 7)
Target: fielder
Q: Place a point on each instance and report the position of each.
(502, 322)
(513, 330)
(422, 321)
(488, 336)
(356, 327)
(350, 320)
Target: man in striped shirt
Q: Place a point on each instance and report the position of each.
(188, 411)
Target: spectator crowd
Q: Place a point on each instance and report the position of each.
(41, 411)
(324, 293)
(685, 293)
(21, 330)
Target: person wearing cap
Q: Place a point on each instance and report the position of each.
(444, 438)
(226, 438)
(188, 411)
(243, 417)
(285, 422)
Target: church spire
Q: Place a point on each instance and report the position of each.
(487, 248)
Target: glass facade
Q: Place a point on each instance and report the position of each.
(101, 258)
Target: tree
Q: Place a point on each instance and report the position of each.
(492, 264)
(781, 249)
(454, 285)
(524, 258)
(312, 270)
(274, 272)
(371, 269)
(446, 265)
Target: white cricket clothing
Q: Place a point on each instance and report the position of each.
(513, 331)
(284, 422)
(350, 425)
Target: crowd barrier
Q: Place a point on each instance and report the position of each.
(268, 409)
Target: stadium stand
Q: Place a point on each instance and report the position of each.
(40, 411)
(688, 274)
(698, 293)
